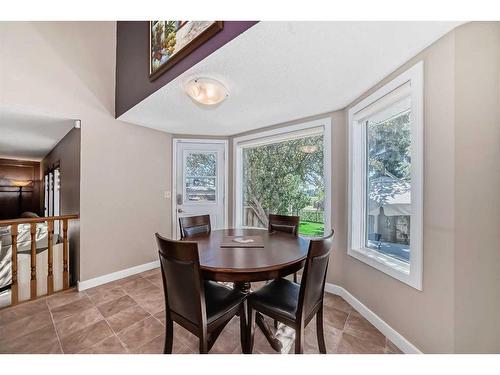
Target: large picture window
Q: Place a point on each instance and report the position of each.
(283, 172)
(385, 187)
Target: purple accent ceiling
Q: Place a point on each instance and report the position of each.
(132, 60)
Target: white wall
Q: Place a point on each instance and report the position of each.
(67, 69)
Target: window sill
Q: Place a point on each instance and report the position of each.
(388, 265)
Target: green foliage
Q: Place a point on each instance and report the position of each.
(389, 147)
(310, 229)
(277, 176)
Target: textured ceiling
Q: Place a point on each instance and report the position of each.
(29, 136)
(282, 71)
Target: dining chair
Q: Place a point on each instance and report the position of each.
(202, 307)
(192, 225)
(292, 304)
(284, 223)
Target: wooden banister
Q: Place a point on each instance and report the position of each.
(14, 231)
(30, 220)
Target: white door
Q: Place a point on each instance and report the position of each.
(200, 182)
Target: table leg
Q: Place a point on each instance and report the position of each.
(264, 327)
(259, 319)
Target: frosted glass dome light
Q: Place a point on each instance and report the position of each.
(206, 91)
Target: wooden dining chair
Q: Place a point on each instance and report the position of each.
(192, 225)
(202, 307)
(284, 223)
(292, 304)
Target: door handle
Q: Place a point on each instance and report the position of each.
(179, 210)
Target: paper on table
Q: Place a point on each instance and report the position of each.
(242, 241)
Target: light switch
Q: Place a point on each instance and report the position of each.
(167, 194)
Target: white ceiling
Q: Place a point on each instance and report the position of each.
(29, 136)
(282, 71)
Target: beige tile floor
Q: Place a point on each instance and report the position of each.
(127, 316)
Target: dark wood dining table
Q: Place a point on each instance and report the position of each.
(282, 254)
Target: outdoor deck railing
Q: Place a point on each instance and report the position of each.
(50, 248)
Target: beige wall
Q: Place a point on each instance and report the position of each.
(67, 69)
(477, 184)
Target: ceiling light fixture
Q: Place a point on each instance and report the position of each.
(206, 91)
(309, 149)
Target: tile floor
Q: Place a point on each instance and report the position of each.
(127, 316)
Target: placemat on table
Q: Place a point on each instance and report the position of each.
(228, 241)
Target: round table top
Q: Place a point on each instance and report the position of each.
(281, 255)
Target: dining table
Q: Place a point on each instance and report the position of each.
(269, 256)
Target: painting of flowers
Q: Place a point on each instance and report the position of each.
(171, 41)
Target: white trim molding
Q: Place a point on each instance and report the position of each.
(100, 280)
(403, 92)
(309, 128)
(396, 338)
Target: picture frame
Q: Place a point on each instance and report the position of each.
(172, 41)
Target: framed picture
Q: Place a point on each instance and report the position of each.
(171, 41)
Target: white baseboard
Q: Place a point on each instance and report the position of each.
(87, 284)
(402, 343)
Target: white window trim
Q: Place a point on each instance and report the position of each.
(269, 136)
(409, 274)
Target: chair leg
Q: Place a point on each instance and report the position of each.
(203, 345)
(169, 336)
(320, 332)
(243, 327)
(275, 324)
(295, 277)
(250, 329)
(299, 340)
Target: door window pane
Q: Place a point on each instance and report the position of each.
(285, 178)
(389, 183)
(201, 164)
(200, 189)
(200, 171)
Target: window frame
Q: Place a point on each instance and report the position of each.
(410, 274)
(319, 126)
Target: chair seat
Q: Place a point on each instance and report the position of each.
(280, 296)
(220, 299)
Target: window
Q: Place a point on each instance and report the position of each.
(284, 172)
(385, 184)
(200, 176)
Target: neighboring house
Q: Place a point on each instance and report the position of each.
(390, 209)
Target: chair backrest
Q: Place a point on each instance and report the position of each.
(194, 225)
(182, 281)
(284, 223)
(312, 284)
